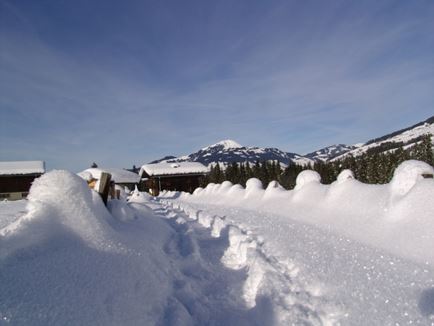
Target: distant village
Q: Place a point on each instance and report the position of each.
(16, 177)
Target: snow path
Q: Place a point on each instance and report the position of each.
(311, 276)
(229, 268)
(175, 268)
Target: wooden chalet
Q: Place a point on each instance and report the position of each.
(182, 176)
(16, 178)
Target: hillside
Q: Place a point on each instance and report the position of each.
(401, 138)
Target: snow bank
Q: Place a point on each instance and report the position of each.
(396, 217)
(62, 200)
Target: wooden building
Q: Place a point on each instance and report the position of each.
(182, 176)
(122, 178)
(16, 178)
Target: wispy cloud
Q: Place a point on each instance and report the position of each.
(294, 75)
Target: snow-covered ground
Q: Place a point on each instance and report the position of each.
(348, 253)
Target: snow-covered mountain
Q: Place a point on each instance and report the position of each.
(164, 159)
(229, 151)
(327, 153)
(401, 138)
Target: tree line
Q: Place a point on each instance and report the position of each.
(374, 167)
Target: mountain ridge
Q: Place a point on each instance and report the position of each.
(229, 151)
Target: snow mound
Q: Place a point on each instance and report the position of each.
(344, 176)
(64, 201)
(139, 197)
(254, 188)
(274, 189)
(305, 177)
(236, 191)
(225, 186)
(407, 175)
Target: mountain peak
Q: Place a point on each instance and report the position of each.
(227, 144)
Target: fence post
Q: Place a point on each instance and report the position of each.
(104, 186)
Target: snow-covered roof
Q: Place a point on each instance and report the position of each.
(22, 167)
(174, 168)
(118, 175)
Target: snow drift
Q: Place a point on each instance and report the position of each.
(396, 216)
(67, 260)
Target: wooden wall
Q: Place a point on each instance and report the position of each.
(187, 183)
(16, 184)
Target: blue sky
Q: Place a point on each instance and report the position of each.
(126, 82)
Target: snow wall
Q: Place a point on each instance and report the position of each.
(398, 216)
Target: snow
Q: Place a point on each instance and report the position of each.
(22, 167)
(118, 175)
(407, 175)
(312, 276)
(404, 137)
(305, 177)
(67, 260)
(341, 254)
(345, 175)
(174, 168)
(303, 161)
(366, 213)
(364, 251)
(227, 144)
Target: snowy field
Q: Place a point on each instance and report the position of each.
(342, 254)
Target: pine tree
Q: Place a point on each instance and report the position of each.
(243, 175)
(289, 175)
(249, 171)
(256, 171)
(264, 174)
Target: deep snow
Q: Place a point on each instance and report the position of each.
(348, 253)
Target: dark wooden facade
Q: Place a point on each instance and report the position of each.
(183, 182)
(16, 186)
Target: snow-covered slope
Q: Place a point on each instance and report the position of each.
(396, 139)
(330, 152)
(164, 159)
